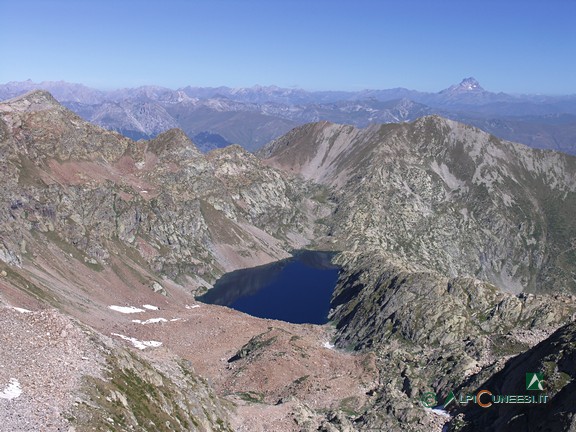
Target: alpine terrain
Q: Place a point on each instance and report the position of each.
(457, 252)
(251, 117)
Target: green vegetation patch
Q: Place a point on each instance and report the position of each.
(135, 396)
(250, 396)
(255, 344)
(350, 406)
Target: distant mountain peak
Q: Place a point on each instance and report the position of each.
(467, 85)
(470, 83)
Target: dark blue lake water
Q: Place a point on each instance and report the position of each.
(297, 290)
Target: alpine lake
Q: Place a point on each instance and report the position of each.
(296, 290)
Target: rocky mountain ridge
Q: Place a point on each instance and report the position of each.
(93, 223)
(420, 211)
(47, 148)
(445, 195)
(438, 225)
(253, 116)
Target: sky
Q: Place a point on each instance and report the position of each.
(513, 46)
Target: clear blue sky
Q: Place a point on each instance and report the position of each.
(515, 46)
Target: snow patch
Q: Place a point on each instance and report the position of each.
(192, 307)
(126, 309)
(137, 343)
(150, 307)
(150, 321)
(21, 310)
(328, 345)
(12, 390)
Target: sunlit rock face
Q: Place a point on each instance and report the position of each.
(445, 196)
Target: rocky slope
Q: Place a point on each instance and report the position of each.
(100, 227)
(444, 231)
(65, 376)
(431, 333)
(448, 196)
(441, 230)
(373, 291)
(181, 212)
(556, 358)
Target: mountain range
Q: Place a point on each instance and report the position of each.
(457, 260)
(251, 117)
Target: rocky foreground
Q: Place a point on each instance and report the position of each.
(457, 261)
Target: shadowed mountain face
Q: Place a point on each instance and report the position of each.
(556, 358)
(456, 250)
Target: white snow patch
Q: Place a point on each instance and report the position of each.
(150, 321)
(12, 390)
(328, 345)
(126, 309)
(192, 307)
(175, 319)
(21, 310)
(137, 343)
(150, 307)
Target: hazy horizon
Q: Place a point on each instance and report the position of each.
(256, 86)
(519, 47)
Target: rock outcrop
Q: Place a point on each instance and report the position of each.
(69, 377)
(446, 196)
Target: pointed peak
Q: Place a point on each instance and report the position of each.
(36, 100)
(470, 83)
(433, 120)
(467, 85)
(174, 141)
(174, 135)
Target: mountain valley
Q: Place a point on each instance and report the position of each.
(457, 251)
